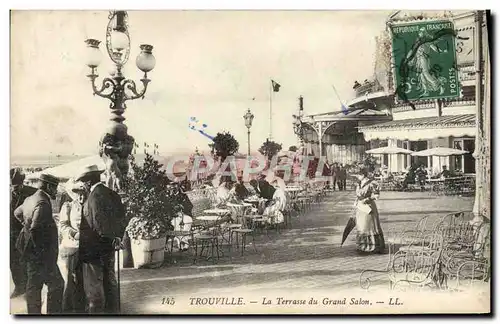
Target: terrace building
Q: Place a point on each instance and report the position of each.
(376, 118)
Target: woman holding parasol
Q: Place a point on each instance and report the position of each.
(369, 238)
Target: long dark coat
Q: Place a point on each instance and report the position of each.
(103, 220)
(17, 199)
(265, 190)
(38, 240)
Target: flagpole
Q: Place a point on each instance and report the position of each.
(338, 97)
(270, 109)
(342, 107)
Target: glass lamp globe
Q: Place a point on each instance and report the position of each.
(248, 119)
(94, 56)
(119, 40)
(145, 60)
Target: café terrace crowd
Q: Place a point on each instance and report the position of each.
(66, 234)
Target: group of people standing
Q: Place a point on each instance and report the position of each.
(75, 259)
(338, 176)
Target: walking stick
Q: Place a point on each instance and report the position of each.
(117, 250)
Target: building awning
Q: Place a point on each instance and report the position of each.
(368, 96)
(356, 114)
(419, 128)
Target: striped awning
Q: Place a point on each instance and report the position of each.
(422, 128)
(468, 120)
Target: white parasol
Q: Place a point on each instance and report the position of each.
(440, 151)
(389, 150)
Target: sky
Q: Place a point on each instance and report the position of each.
(209, 65)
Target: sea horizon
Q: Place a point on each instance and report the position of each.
(51, 160)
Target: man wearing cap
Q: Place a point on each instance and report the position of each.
(101, 227)
(18, 193)
(69, 224)
(38, 244)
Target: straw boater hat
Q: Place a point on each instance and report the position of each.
(87, 171)
(48, 178)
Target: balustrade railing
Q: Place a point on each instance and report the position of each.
(459, 102)
(368, 87)
(466, 72)
(423, 104)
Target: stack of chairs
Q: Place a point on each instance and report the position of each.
(441, 256)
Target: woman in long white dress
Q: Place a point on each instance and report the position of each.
(370, 237)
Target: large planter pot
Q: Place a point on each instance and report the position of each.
(148, 253)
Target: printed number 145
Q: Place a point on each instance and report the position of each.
(168, 301)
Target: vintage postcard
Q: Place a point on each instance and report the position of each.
(250, 162)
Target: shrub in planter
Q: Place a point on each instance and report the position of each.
(150, 203)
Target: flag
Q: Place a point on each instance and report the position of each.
(276, 86)
(345, 110)
(301, 103)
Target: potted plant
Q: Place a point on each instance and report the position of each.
(149, 205)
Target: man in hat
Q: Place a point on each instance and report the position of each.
(263, 188)
(38, 244)
(342, 178)
(18, 193)
(101, 228)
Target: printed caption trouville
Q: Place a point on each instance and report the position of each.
(282, 301)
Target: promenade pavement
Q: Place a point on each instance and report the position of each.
(306, 256)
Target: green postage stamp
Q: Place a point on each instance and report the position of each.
(425, 60)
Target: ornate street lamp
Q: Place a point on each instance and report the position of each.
(116, 145)
(248, 123)
(298, 128)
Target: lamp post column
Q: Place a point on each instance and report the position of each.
(248, 133)
(248, 117)
(116, 145)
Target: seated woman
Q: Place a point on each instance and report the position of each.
(276, 207)
(223, 194)
(276, 180)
